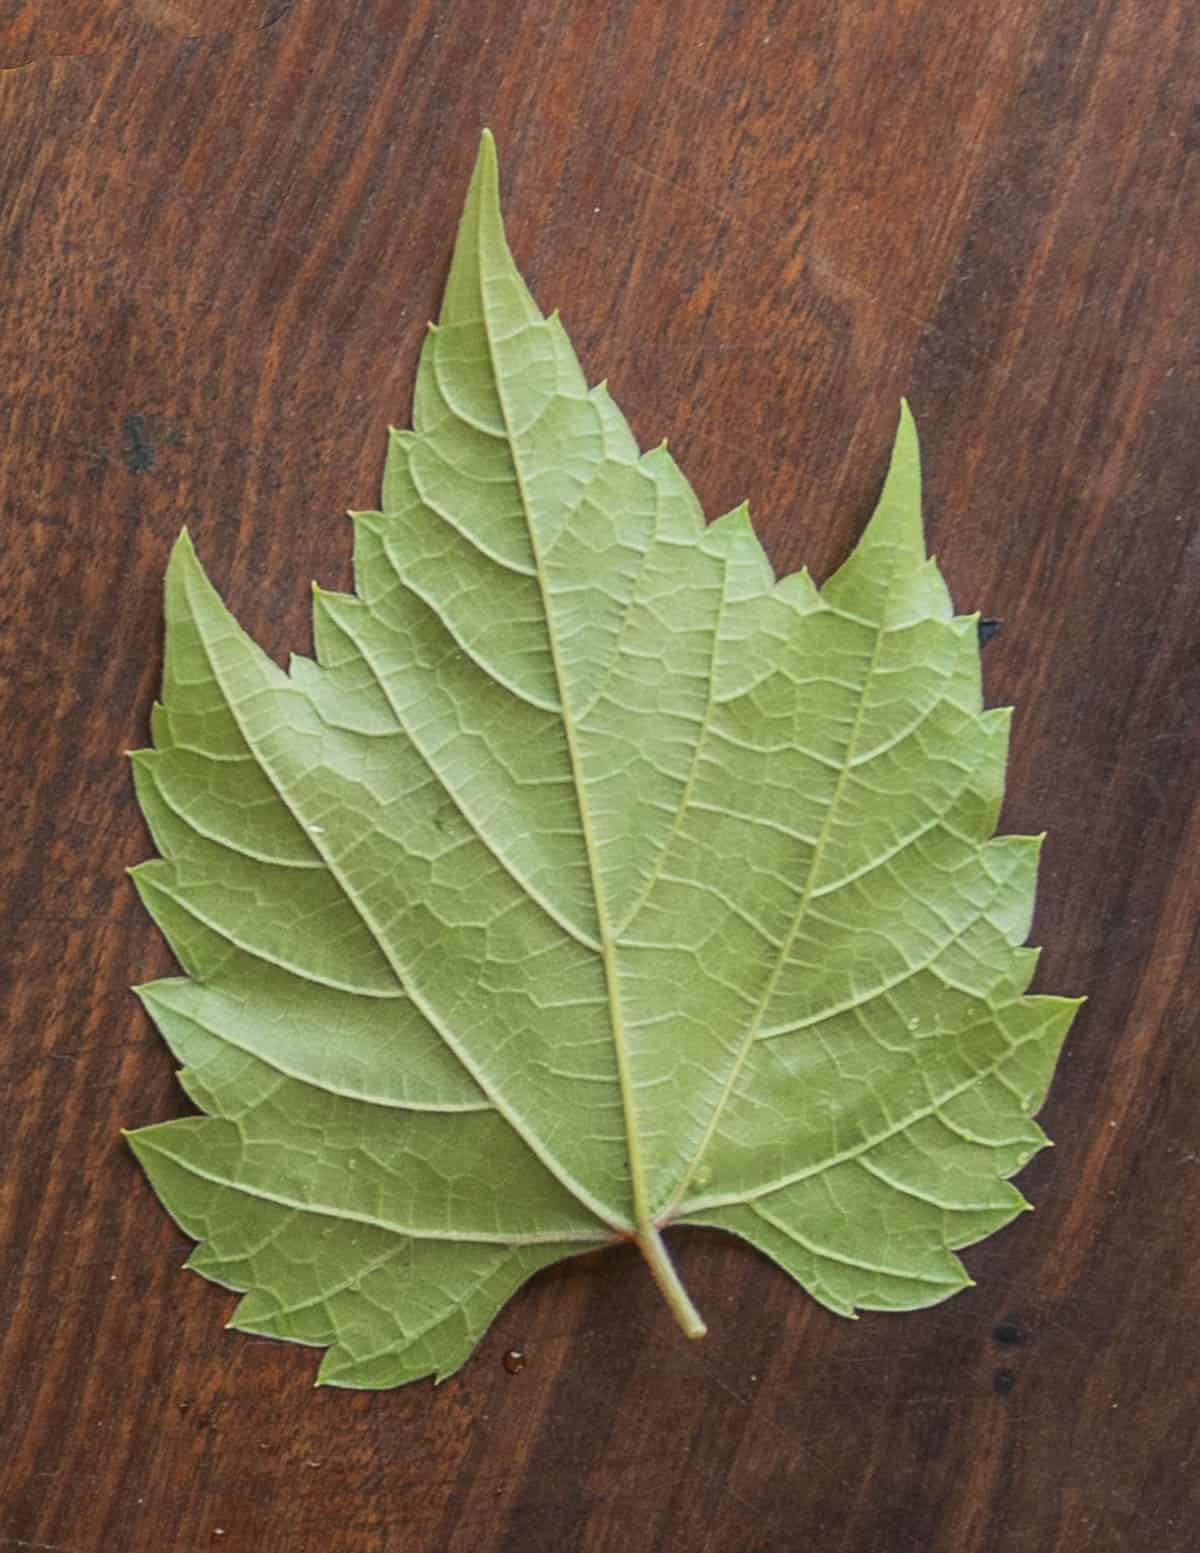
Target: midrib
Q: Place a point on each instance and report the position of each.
(604, 931)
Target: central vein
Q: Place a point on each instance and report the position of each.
(603, 924)
(647, 1235)
(645, 1232)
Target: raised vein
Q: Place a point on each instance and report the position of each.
(814, 870)
(527, 1135)
(603, 926)
(647, 1236)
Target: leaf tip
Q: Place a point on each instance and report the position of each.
(183, 546)
(133, 1142)
(485, 180)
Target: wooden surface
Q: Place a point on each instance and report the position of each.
(222, 228)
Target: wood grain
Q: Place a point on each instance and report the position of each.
(222, 228)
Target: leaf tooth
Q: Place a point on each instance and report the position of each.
(160, 726)
(749, 570)
(799, 591)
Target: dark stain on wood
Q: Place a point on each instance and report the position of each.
(1003, 1382)
(139, 450)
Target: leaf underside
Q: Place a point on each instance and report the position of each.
(588, 881)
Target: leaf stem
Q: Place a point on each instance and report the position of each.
(650, 1244)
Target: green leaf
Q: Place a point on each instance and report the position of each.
(589, 881)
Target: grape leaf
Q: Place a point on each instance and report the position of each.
(588, 881)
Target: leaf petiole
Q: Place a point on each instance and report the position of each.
(650, 1244)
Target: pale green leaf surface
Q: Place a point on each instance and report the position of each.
(589, 881)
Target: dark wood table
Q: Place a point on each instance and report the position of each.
(223, 225)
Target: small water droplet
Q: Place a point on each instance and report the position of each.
(914, 1024)
(183, 1406)
(317, 830)
(514, 1361)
